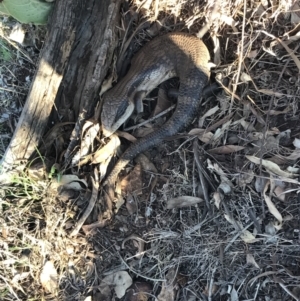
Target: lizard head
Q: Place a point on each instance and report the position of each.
(114, 113)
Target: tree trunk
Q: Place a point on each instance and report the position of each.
(82, 36)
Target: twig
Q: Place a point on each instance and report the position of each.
(254, 220)
(211, 282)
(126, 44)
(141, 244)
(89, 208)
(287, 290)
(268, 117)
(240, 57)
(290, 52)
(202, 179)
(18, 48)
(236, 236)
(10, 289)
(151, 119)
(137, 273)
(99, 224)
(198, 226)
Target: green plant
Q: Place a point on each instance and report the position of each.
(26, 11)
(5, 52)
(25, 187)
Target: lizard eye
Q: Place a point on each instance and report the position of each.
(121, 110)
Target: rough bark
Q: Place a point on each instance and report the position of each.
(74, 61)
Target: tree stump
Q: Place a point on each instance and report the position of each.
(76, 56)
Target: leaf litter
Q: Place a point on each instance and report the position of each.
(244, 246)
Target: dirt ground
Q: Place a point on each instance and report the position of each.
(211, 214)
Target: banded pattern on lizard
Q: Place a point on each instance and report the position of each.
(172, 55)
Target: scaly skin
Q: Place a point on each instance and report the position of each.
(167, 56)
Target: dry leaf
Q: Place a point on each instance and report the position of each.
(229, 21)
(288, 50)
(260, 10)
(132, 183)
(260, 183)
(38, 171)
(119, 202)
(234, 295)
(131, 204)
(154, 28)
(202, 134)
(271, 231)
(168, 291)
(279, 159)
(146, 5)
(245, 235)
(183, 201)
(107, 150)
(255, 136)
(220, 132)
(232, 221)
(69, 182)
(225, 188)
(206, 137)
(286, 110)
(17, 33)
(271, 93)
(126, 135)
(207, 114)
(279, 192)
(215, 167)
(49, 277)
(19, 278)
(145, 163)
(106, 85)
(293, 35)
(103, 168)
(245, 178)
(273, 210)
(252, 54)
(217, 48)
(139, 291)
(182, 279)
(246, 125)
(295, 155)
(190, 296)
(271, 167)
(90, 130)
(292, 169)
(296, 143)
(248, 237)
(296, 291)
(295, 15)
(142, 132)
(162, 103)
(226, 149)
(196, 131)
(245, 77)
(119, 281)
(250, 259)
(217, 199)
(268, 144)
(213, 290)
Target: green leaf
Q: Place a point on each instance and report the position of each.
(27, 11)
(5, 52)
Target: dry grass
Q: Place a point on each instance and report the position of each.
(237, 248)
